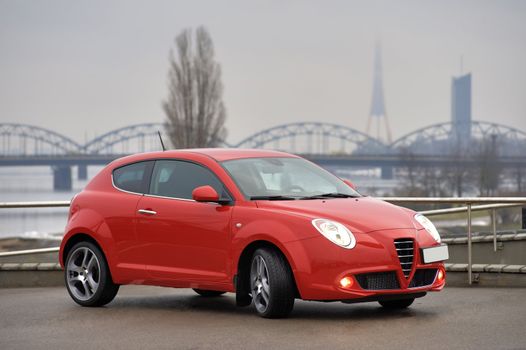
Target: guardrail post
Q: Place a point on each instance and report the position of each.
(524, 218)
(470, 276)
(494, 224)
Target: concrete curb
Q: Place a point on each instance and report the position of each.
(30, 267)
(13, 275)
(486, 280)
(487, 275)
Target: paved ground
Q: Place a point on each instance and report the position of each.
(157, 318)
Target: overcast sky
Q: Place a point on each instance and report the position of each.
(85, 67)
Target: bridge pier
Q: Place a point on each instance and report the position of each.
(387, 173)
(82, 172)
(62, 178)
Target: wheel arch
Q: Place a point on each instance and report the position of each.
(243, 267)
(74, 239)
(88, 224)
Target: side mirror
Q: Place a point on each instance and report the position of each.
(349, 183)
(205, 194)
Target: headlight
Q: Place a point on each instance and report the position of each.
(335, 232)
(428, 225)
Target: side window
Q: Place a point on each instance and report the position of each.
(177, 179)
(133, 177)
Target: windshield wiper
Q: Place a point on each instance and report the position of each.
(330, 195)
(272, 198)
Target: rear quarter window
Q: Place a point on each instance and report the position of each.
(133, 177)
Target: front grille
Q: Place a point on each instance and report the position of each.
(378, 280)
(423, 277)
(404, 249)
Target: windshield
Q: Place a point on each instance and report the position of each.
(285, 178)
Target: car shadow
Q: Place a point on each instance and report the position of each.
(308, 310)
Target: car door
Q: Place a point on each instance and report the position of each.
(183, 239)
(131, 182)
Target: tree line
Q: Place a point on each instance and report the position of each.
(475, 171)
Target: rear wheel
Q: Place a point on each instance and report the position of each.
(271, 284)
(208, 293)
(397, 304)
(87, 276)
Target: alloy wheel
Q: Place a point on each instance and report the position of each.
(259, 285)
(83, 273)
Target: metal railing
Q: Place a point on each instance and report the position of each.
(33, 204)
(492, 207)
(498, 202)
(39, 204)
(489, 203)
(30, 251)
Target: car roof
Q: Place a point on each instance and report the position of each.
(222, 154)
(218, 154)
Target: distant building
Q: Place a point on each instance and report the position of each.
(461, 106)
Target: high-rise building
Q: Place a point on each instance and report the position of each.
(461, 106)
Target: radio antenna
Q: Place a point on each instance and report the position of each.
(161, 139)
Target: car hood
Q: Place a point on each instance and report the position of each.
(362, 214)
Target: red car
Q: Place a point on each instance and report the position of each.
(268, 226)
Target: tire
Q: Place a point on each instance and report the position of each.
(271, 284)
(397, 304)
(208, 293)
(87, 276)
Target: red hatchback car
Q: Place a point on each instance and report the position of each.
(269, 226)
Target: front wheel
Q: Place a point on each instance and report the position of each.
(397, 304)
(271, 284)
(88, 278)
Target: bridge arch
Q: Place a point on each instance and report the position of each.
(119, 141)
(441, 138)
(23, 139)
(313, 138)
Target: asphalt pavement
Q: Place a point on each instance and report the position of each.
(162, 318)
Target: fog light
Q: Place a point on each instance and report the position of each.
(346, 282)
(441, 275)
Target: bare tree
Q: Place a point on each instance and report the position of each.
(519, 173)
(458, 177)
(195, 113)
(489, 170)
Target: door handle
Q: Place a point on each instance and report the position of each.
(146, 212)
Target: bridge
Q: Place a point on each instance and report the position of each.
(326, 144)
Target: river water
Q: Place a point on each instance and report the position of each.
(34, 184)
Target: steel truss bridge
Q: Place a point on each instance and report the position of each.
(324, 143)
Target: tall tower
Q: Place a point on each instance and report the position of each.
(461, 106)
(378, 117)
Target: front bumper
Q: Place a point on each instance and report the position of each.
(373, 268)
